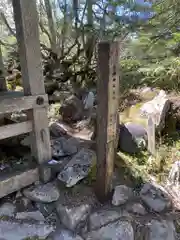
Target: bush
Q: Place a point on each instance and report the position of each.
(164, 74)
(130, 76)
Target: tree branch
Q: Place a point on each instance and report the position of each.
(7, 24)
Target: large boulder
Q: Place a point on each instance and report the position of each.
(157, 109)
(172, 121)
(132, 138)
(72, 109)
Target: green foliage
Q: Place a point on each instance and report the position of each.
(156, 50)
(130, 76)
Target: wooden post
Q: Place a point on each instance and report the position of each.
(3, 86)
(26, 21)
(107, 115)
(151, 135)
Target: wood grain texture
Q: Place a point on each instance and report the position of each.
(15, 129)
(107, 110)
(12, 183)
(26, 21)
(3, 86)
(12, 104)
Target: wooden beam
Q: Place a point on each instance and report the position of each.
(26, 21)
(15, 129)
(107, 115)
(9, 105)
(3, 86)
(14, 182)
(151, 136)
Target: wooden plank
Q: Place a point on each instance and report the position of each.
(151, 136)
(10, 94)
(26, 21)
(15, 129)
(3, 86)
(8, 105)
(14, 182)
(107, 115)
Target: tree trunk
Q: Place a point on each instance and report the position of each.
(51, 25)
(64, 29)
(90, 38)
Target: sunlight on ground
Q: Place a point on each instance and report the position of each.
(143, 166)
(132, 114)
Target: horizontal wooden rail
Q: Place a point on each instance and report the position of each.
(15, 129)
(16, 181)
(13, 104)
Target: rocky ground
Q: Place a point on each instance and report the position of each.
(54, 212)
(66, 208)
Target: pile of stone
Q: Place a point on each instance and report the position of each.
(52, 212)
(66, 207)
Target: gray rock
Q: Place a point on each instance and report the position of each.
(56, 166)
(137, 208)
(7, 209)
(56, 129)
(121, 230)
(46, 193)
(74, 206)
(53, 219)
(105, 216)
(155, 198)
(157, 109)
(132, 137)
(121, 195)
(72, 216)
(23, 204)
(45, 208)
(61, 147)
(78, 167)
(36, 215)
(161, 230)
(63, 235)
(15, 230)
(72, 109)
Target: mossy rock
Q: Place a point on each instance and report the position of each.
(132, 114)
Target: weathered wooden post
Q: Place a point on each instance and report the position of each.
(26, 20)
(3, 86)
(151, 135)
(107, 115)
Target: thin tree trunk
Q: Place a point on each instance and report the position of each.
(64, 28)
(51, 25)
(90, 37)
